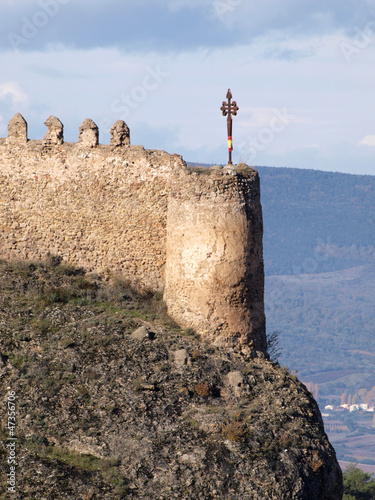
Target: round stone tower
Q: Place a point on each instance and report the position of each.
(214, 266)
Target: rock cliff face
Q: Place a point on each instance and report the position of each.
(113, 400)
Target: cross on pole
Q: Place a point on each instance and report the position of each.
(229, 108)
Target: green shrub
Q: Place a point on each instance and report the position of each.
(358, 485)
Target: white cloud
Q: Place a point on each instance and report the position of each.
(13, 90)
(368, 140)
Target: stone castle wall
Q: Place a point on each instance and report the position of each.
(196, 235)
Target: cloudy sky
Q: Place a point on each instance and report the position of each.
(302, 73)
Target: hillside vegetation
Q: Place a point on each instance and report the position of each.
(326, 323)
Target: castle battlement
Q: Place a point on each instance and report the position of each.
(193, 234)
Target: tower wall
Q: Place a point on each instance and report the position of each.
(214, 266)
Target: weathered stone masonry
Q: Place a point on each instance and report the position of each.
(194, 234)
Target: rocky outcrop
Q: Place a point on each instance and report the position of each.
(114, 401)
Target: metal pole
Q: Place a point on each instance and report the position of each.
(229, 108)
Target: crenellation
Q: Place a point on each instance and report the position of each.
(55, 132)
(88, 134)
(120, 134)
(17, 130)
(193, 234)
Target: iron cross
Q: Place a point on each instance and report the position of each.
(229, 108)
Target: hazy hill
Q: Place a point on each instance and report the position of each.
(327, 325)
(316, 221)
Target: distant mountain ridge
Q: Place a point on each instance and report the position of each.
(316, 221)
(327, 325)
